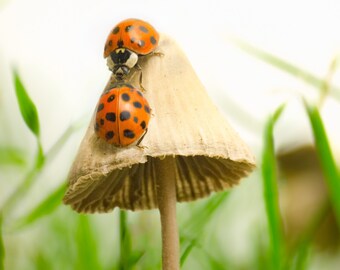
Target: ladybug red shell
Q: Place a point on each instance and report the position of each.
(128, 40)
(136, 35)
(122, 115)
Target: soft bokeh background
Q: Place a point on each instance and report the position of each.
(57, 46)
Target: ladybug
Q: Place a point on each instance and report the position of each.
(128, 40)
(122, 115)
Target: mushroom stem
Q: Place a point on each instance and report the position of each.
(166, 197)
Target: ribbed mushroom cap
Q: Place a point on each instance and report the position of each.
(185, 124)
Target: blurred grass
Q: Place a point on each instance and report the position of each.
(11, 156)
(328, 163)
(270, 190)
(29, 114)
(2, 248)
(88, 258)
(124, 241)
(27, 108)
(57, 247)
(301, 250)
(326, 90)
(298, 72)
(47, 206)
(298, 258)
(191, 232)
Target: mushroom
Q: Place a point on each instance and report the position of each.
(188, 152)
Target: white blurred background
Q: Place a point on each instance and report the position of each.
(57, 48)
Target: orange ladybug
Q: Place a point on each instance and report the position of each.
(128, 40)
(122, 115)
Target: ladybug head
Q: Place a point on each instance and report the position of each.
(121, 60)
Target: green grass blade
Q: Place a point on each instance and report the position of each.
(125, 242)
(2, 247)
(30, 115)
(47, 206)
(290, 68)
(40, 157)
(11, 156)
(211, 258)
(134, 258)
(27, 108)
(86, 245)
(196, 226)
(215, 262)
(328, 164)
(271, 192)
(187, 251)
(203, 214)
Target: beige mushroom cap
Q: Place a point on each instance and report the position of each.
(185, 124)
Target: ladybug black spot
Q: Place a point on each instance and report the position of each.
(141, 43)
(128, 28)
(143, 125)
(102, 121)
(125, 97)
(100, 107)
(137, 104)
(153, 40)
(135, 119)
(110, 116)
(143, 29)
(132, 40)
(115, 30)
(129, 133)
(96, 127)
(124, 115)
(111, 98)
(147, 109)
(109, 135)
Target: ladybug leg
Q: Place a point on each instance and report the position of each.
(140, 140)
(141, 81)
(160, 54)
(139, 68)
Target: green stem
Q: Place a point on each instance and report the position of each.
(2, 247)
(125, 243)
